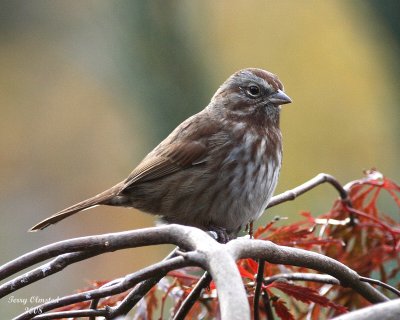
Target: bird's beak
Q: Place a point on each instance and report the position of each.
(279, 98)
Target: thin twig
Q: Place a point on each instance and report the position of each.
(300, 276)
(95, 302)
(190, 300)
(311, 184)
(257, 291)
(139, 291)
(382, 284)
(93, 306)
(267, 305)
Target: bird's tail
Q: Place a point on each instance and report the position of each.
(101, 198)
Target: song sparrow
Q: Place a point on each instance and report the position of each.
(217, 170)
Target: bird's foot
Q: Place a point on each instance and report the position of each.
(249, 229)
(219, 234)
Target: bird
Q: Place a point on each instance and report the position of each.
(217, 170)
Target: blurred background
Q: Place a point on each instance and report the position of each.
(87, 88)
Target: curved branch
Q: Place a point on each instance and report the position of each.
(381, 284)
(231, 293)
(292, 194)
(174, 234)
(389, 310)
(240, 248)
(214, 258)
(54, 266)
(192, 297)
(128, 282)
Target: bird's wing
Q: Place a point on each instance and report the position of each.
(188, 145)
(178, 156)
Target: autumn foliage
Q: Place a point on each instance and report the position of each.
(357, 233)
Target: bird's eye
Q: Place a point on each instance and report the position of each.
(253, 91)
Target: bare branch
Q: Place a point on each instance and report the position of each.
(130, 301)
(93, 306)
(192, 297)
(382, 284)
(241, 248)
(307, 186)
(196, 248)
(223, 269)
(102, 243)
(213, 257)
(128, 282)
(139, 291)
(299, 276)
(257, 291)
(54, 266)
(389, 310)
(267, 305)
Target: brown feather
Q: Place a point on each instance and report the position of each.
(177, 157)
(83, 205)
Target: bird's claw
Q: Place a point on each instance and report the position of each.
(219, 234)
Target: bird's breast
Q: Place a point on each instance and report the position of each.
(249, 175)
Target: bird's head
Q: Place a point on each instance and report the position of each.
(250, 93)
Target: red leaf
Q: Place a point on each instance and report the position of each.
(253, 265)
(305, 295)
(152, 302)
(261, 230)
(281, 310)
(244, 273)
(308, 216)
